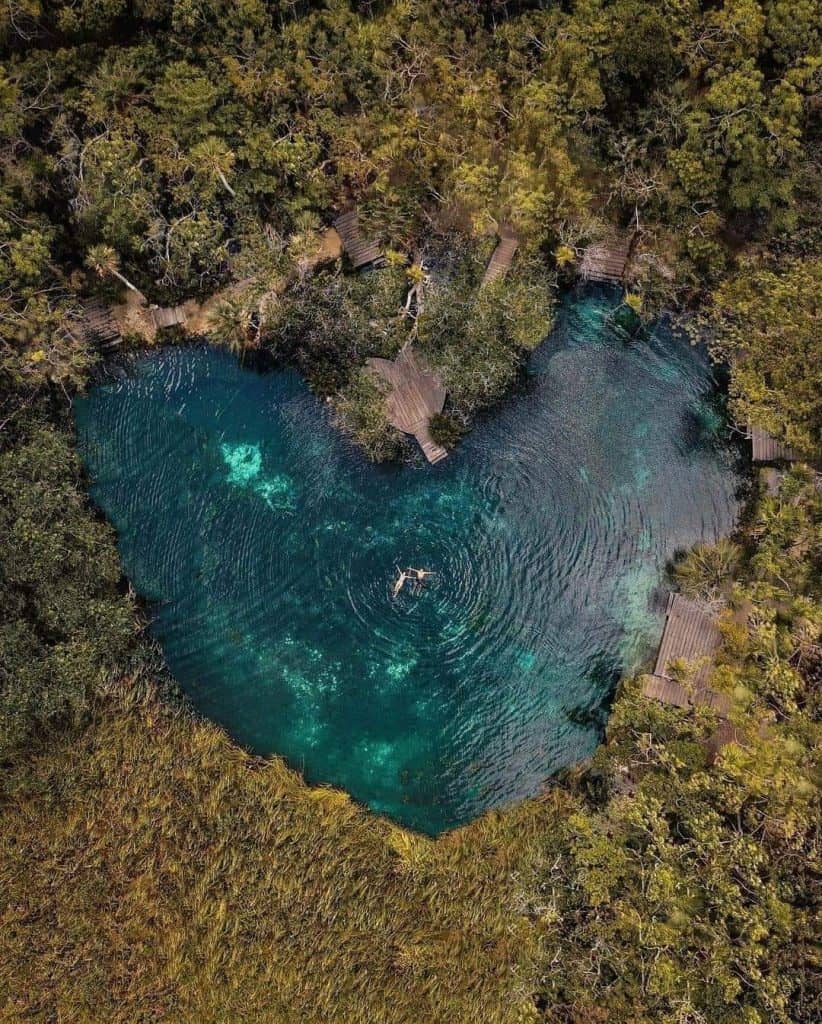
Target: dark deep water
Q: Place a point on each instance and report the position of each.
(269, 546)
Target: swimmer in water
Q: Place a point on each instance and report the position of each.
(400, 581)
(418, 576)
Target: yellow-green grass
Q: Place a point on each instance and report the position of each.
(151, 870)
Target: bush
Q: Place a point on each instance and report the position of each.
(64, 625)
(362, 413)
(706, 569)
(446, 430)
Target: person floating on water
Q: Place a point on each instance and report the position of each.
(410, 575)
(400, 581)
(419, 577)
(420, 574)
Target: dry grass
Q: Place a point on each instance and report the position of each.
(151, 870)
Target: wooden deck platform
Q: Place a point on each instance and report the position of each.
(361, 251)
(501, 258)
(414, 396)
(606, 261)
(666, 691)
(689, 635)
(669, 691)
(168, 316)
(97, 327)
(765, 448)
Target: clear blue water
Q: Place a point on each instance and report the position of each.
(268, 547)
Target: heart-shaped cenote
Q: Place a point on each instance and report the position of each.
(269, 546)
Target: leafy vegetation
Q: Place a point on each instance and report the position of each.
(209, 886)
(767, 323)
(478, 337)
(706, 570)
(153, 871)
(691, 890)
(65, 627)
(179, 148)
(445, 429)
(653, 887)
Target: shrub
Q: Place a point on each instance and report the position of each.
(446, 430)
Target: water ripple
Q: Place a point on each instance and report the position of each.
(270, 548)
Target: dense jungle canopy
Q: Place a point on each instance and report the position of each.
(152, 870)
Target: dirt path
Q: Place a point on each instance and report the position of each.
(134, 314)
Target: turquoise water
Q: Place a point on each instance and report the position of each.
(268, 547)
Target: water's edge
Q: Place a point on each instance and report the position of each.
(268, 546)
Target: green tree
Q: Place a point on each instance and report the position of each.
(104, 261)
(213, 158)
(57, 642)
(767, 324)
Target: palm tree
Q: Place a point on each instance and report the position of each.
(104, 261)
(215, 158)
(230, 322)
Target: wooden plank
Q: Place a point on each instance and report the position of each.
(168, 316)
(765, 448)
(97, 327)
(501, 259)
(360, 251)
(689, 635)
(666, 691)
(414, 396)
(432, 451)
(607, 260)
(669, 691)
(689, 631)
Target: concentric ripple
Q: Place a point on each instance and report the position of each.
(269, 547)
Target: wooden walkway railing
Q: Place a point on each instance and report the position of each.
(361, 251)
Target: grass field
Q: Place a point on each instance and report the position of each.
(155, 872)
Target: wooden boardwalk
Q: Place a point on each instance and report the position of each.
(691, 636)
(607, 260)
(669, 691)
(97, 327)
(765, 448)
(361, 251)
(414, 396)
(501, 258)
(168, 316)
